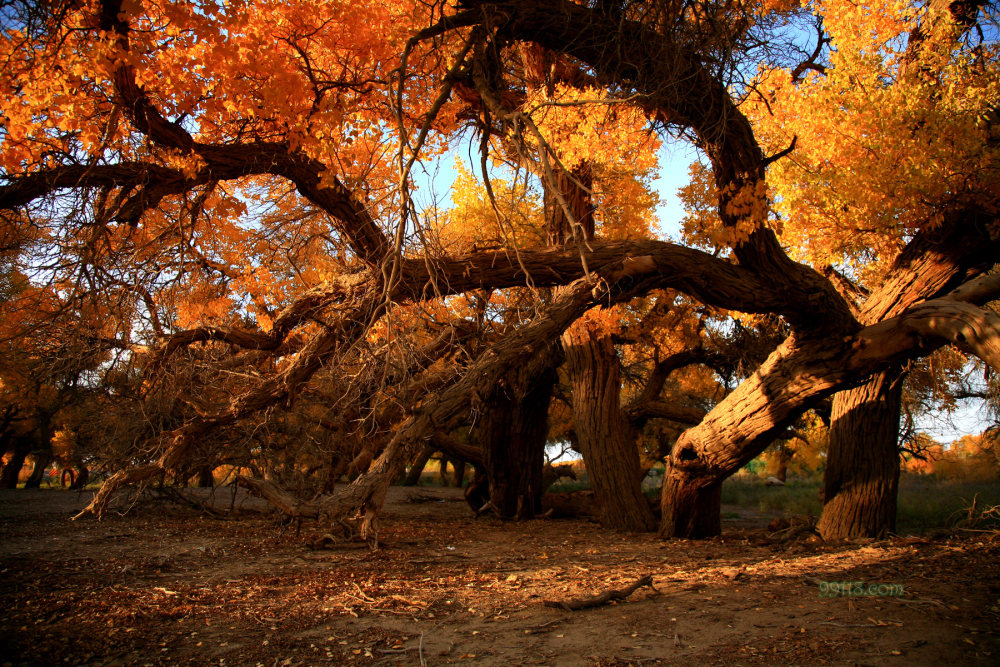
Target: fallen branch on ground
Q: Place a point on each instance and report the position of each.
(576, 604)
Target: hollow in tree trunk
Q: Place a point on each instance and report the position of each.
(862, 470)
(603, 435)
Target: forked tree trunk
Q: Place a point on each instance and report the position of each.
(862, 470)
(604, 437)
(512, 431)
(739, 428)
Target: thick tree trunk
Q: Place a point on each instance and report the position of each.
(604, 437)
(512, 430)
(42, 461)
(691, 505)
(205, 478)
(862, 470)
(740, 427)
(12, 471)
(459, 478)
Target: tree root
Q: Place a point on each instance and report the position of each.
(576, 604)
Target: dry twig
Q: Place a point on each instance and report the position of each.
(576, 604)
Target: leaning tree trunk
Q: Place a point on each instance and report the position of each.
(512, 431)
(608, 450)
(740, 427)
(862, 470)
(42, 461)
(413, 475)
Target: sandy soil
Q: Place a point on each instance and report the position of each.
(166, 585)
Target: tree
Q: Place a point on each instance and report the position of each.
(152, 142)
(914, 151)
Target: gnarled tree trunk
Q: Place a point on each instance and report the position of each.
(691, 505)
(862, 470)
(603, 435)
(512, 429)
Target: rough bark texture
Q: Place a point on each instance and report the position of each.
(694, 507)
(862, 470)
(862, 474)
(669, 78)
(603, 435)
(512, 430)
(741, 426)
(570, 214)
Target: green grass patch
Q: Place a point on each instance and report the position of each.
(569, 486)
(795, 497)
(927, 502)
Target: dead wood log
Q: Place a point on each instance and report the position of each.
(284, 501)
(576, 604)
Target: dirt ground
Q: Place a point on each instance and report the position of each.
(166, 585)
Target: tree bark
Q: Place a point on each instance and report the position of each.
(205, 478)
(603, 435)
(862, 470)
(42, 460)
(413, 475)
(862, 474)
(512, 430)
(12, 471)
(691, 505)
(81, 479)
(459, 477)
